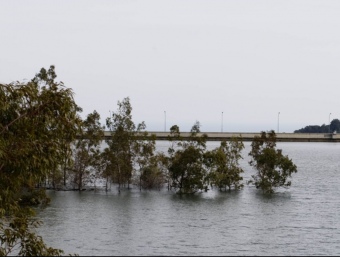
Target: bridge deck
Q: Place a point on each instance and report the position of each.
(249, 136)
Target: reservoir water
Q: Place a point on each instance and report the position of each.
(301, 220)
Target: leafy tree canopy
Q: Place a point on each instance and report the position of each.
(272, 168)
(223, 163)
(186, 167)
(35, 118)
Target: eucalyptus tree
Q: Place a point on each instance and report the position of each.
(223, 163)
(126, 146)
(186, 165)
(105, 167)
(34, 118)
(152, 175)
(175, 140)
(273, 168)
(87, 150)
(163, 164)
(144, 160)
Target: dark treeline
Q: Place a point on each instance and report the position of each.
(44, 142)
(333, 127)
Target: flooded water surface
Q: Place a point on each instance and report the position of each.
(301, 220)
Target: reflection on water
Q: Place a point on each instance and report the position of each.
(302, 220)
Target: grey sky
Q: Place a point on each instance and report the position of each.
(193, 59)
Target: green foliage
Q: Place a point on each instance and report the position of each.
(119, 153)
(273, 169)
(17, 238)
(143, 147)
(186, 163)
(152, 175)
(163, 163)
(128, 147)
(36, 119)
(223, 163)
(87, 151)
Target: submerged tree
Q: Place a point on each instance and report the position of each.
(145, 162)
(152, 175)
(35, 117)
(127, 146)
(87, 150)
(273, 168)
(186, 164)
(175, 140)
(120, 153)
(223, 163)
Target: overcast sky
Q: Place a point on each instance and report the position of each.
(181, 61)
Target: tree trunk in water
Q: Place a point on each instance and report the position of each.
(119, 178)
(64, 175)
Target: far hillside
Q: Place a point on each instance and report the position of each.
(334, 127)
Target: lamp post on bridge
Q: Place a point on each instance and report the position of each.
(278, 122)
(329, 121)
(222, 123)
(164, 121)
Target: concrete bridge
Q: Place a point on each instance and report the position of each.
(249, 136)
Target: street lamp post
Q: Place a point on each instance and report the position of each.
(164, 121)
(278, 122)
(329, 121)
(222, 123)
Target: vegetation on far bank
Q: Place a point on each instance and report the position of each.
(333, 127)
